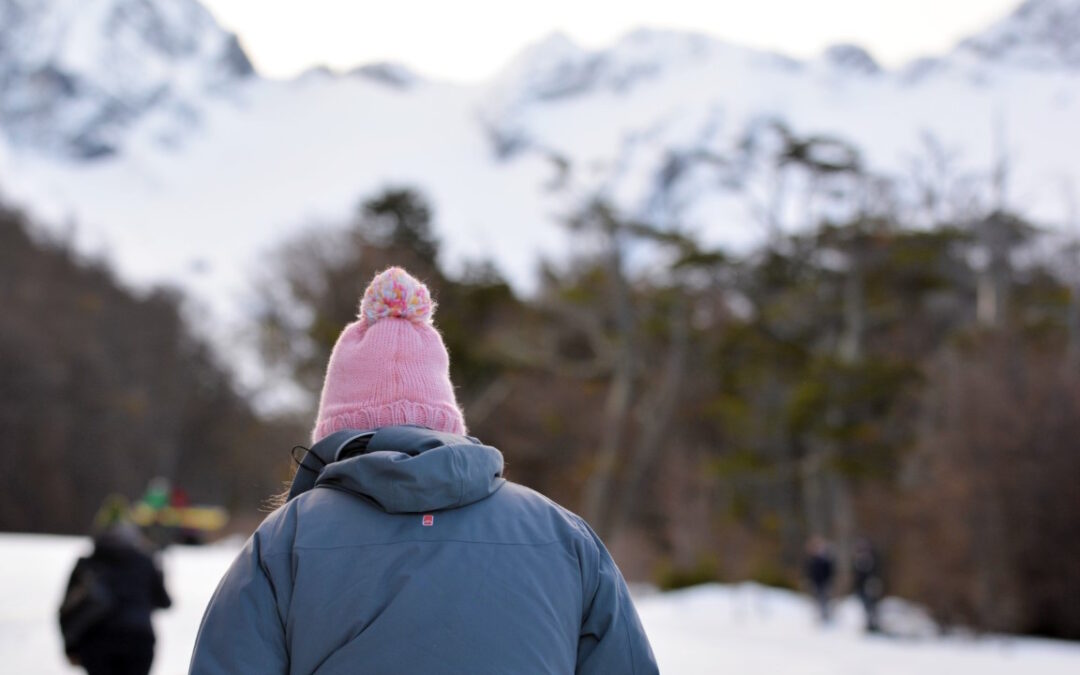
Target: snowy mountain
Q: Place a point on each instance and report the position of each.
(76, 74)
(1040, 34)
(140, 121)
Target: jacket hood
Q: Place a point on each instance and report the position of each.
(410, 469)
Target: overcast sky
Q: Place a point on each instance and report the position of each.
(469, 40)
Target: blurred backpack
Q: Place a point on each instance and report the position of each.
(87, 602)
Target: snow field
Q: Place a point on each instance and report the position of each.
(745, 628)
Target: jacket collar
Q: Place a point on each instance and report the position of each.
(405, 469)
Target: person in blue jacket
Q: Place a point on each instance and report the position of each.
(402, 549)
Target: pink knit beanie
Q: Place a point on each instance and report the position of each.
(390, 366)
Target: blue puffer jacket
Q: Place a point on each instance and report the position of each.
(417, 557)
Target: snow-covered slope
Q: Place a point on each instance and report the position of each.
(76, 74)
(1040, 34)
(210, 168)
(706, 630)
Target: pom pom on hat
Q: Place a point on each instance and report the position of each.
(384, 372)
(395, 293)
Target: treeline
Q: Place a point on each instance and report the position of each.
(708, 413)
(102, 389)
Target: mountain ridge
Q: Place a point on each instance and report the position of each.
(65, 90)
(1038, 34)
(75, 75)
(674, 127)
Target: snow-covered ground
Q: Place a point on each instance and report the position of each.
(742, 629)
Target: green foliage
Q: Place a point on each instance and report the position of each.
(844, 402)
(400, 219)
(669, 576)
(740, 463)
(469, 309)
(769, 573)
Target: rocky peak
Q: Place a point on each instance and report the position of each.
(851, 58)
(74, 74)
(1039, 33)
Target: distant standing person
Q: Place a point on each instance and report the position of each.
(869, 585)
(105, 615)
(820, 570)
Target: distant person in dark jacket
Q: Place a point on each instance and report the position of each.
(819, 573)
(403, 550)
(869, 584)
(110, 595)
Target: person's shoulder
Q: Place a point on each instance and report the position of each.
(538, 505)
(322, 507)
(517, 492)
(277, 531)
